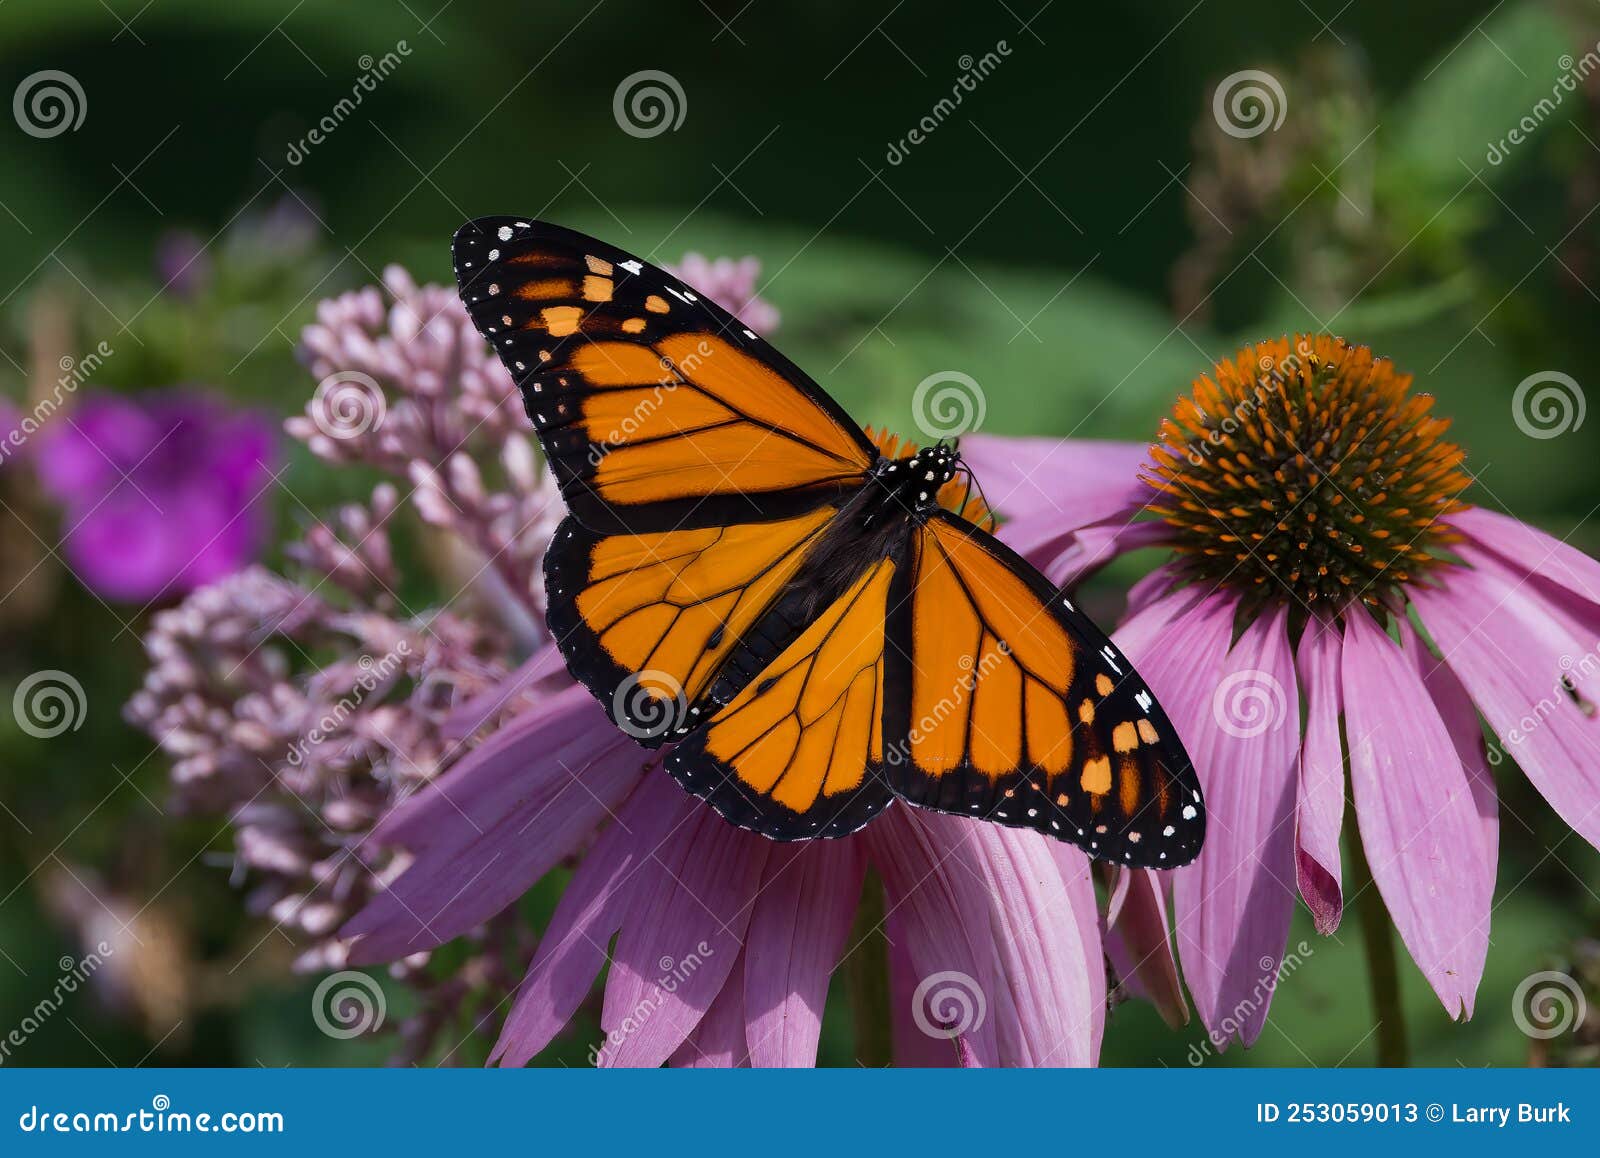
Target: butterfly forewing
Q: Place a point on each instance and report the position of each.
(657, 409)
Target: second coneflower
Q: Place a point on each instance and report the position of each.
(1329, 598)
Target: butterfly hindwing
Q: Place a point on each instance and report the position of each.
(798, 751)
(648, 621)
(656, 408)
(1008, 704)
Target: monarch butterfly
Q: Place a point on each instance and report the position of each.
(746, 573)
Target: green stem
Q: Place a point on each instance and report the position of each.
(866, 974)
(1377, 938)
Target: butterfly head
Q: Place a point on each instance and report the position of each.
(916, 480)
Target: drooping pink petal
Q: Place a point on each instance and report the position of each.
(492, 826)
(1062, 483)
(1049, 970)
(1238, 713)
(718, 1042)
(994, 936)
(1075, 872)
(1321, 807)
(940, 917)
(1139, 944)
(681, 934)
(1461, 721)
(797, 932)
(914, 1047)
(1418, 819)
(1512, 648)
(573, 948)
(1530, 551)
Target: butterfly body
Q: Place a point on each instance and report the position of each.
(818, 624)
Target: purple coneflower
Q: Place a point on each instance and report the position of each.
(726, 941)
(160, 493)
(1325, 568)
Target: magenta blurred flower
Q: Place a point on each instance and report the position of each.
(1308, 496)
(732, 285)
(160, 493)
(725, 941)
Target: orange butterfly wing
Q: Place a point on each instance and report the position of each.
(1010, 705)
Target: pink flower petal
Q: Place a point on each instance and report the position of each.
(797, 933)
(472, 863)
(1238, 713)
(1139, 944)
(1507, 644)
(1060, 483)
(940, 920)
(1091, 548)
(1419, 822)
(994, 936)
(1076, 875)
(1049, 965)
(573, 948)
(1530, 551)
(681, 935)
(914, 1048)
(718, 1042)
(1321, 809)
(1461, 721)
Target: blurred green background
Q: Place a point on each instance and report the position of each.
(1079, 236)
